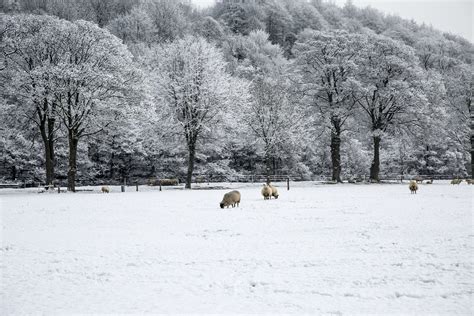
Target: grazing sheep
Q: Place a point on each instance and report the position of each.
(230, 198)
(266, 192)
(274, 191)
(430, 181)
(413, 186)
(470, 181)
(105, 189)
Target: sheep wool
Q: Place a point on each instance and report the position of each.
(413, 186)
(274, 191)
(266, 192)
(230, 198)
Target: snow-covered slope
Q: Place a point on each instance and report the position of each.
(317, 249)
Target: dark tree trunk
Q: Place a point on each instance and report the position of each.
(48, 142)
(191, 156)
(375, 167)
(71, 174)
(268, 164)
(471, 115)
(336, 150)
(47, 126)
(13, 173)
(472, 149)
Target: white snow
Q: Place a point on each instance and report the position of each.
(340, 249)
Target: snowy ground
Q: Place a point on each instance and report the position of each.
(339, 249)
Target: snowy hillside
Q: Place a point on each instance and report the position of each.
(317, 249)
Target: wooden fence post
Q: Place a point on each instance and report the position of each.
(288, 184)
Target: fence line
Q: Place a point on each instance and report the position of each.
(252, 178)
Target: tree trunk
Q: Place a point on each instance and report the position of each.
(51, 126)
(268, 162)
(336, 150)
(471, 115)
(71, 174)
(191, 156)
(472, 156)
(375, 167)
(48, 143)
(13, 173)
(472, 152)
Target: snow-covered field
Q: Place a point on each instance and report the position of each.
(340, 249)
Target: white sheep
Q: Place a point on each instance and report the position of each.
(274, 191)
(413, 186)
(230, 198)
(266, 192)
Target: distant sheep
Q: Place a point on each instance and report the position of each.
(105, 189)
(456, 181)
(230, 198)
(413, 186)
(266, 192)
(274, 191)
(470, 181)
(430, 181)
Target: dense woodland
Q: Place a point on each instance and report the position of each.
(102, 91)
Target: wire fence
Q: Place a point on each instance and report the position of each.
(248, 178)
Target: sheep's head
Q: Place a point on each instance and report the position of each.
(222, 205)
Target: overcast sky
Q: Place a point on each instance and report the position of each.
(454, 16)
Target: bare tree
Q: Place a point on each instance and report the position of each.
(92, 86)
(390, 91)
(192, 81)
(28, 53)
(326, 66)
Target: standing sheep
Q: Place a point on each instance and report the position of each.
(105, 189)
(266, 192)
(413, 186)
(274, 191)
(230, 198)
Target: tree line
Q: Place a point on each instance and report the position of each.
(114, 90)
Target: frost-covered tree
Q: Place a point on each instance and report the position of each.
(458, 82)
(390, 93)
(192, 81)
(29, 52)
(210, 29)
(134, 27)
(169, 18)
(92, 84)
(326, 70)
(271, 115)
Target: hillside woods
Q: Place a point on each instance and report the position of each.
(102, 91)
